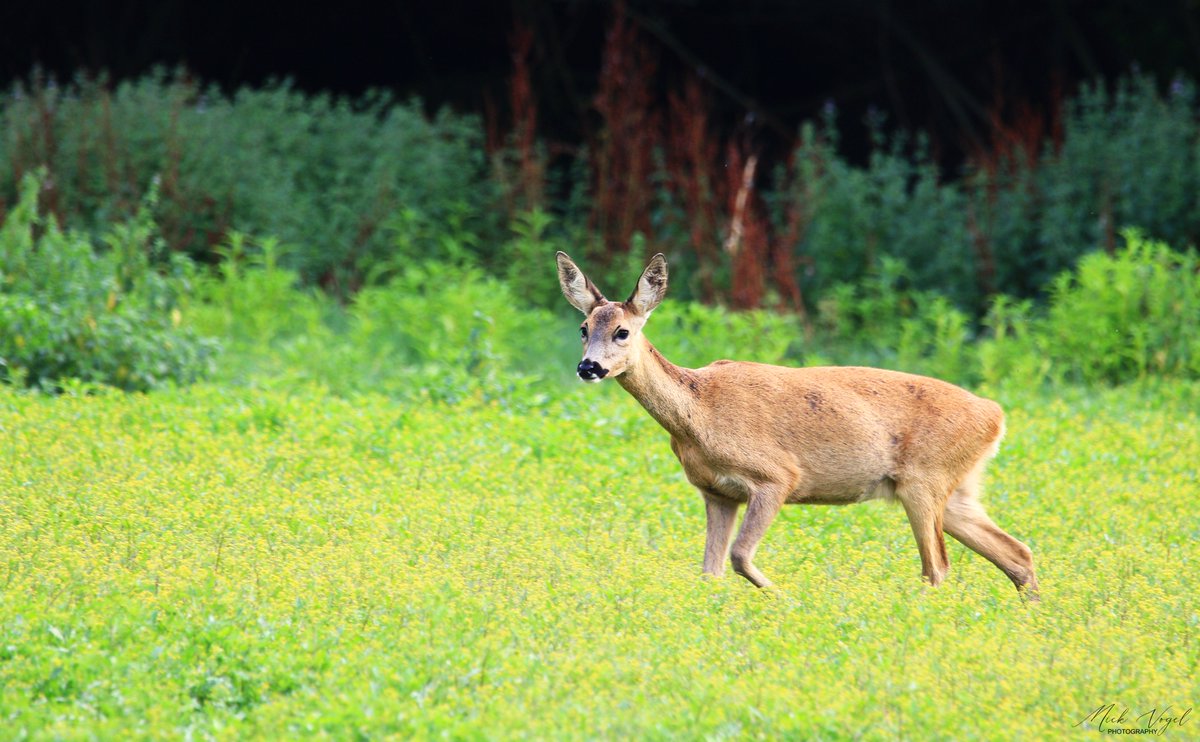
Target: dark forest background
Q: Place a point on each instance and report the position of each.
(943, 67)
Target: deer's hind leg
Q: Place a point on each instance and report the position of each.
(925, 502)
(966, 521)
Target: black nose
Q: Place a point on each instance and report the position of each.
(589, 370)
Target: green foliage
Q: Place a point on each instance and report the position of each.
(375, 197)
(882, 321)
(895, 208)
(1111, 319)
(435, 330)
(1114, 318)
(477, 332)
(109, 315)
(425, 331)
(453, 317)
(252, 300)
(528, 254)
(936, 341)
(348, 183)
(1129, 156)
(269, 323)
(692, 334)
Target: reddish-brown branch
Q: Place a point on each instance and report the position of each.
(747, 240)
(782, 269)
(692, 151)
(623, 153)
(524, 112)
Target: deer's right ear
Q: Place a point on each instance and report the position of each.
(580, 291)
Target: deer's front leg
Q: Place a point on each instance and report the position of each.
(761, 509)
(722, 513)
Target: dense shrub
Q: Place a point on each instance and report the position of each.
(1128, 156)
(453, 331)
(436, 330)
(109, 315)
(423, 330)
(1110, 319)
(453, 316)
(443, 331)
(346, 183)
(896, 208)
(536, 237)
(374, 197)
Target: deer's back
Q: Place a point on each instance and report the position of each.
(845, 433)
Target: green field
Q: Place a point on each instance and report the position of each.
(232, 561)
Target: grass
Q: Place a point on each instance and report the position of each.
(234, 562)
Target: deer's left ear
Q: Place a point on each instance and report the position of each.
(651, 287)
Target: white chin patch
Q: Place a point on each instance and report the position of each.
(596, 380)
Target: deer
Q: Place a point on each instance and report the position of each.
(764, 436)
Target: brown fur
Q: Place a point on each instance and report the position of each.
(765, 436)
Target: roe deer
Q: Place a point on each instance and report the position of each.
(768, 435)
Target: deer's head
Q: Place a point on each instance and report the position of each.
(611, 330)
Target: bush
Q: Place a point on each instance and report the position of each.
(68, 310)
(1114, 318)
(1128, 157)
(435, 330)
(450, 331)
(895, 208)
(527, 260)
(438, 313)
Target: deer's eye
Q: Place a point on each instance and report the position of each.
(583, 332)
(621, 334)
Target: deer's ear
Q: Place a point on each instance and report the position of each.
(651, 287)
(578, 289)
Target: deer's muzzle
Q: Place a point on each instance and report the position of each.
(590, 370)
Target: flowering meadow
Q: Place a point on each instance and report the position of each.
(224, 561)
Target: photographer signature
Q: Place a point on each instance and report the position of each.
(1109, 718)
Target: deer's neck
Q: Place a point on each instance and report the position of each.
(668, 392)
